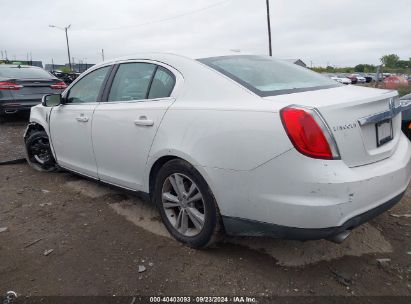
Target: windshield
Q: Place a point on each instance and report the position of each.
(15, 72)
(266, 76)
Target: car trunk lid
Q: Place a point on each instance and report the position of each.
(347, 111)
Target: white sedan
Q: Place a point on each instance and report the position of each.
(341, 79)
(241, 144)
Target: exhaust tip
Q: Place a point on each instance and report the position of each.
(340, 237)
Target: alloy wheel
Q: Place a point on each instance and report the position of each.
(183, 204)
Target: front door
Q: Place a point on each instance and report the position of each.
(70, 124)
(124, 127)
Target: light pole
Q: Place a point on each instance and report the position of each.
(68, 48)
(270, 51)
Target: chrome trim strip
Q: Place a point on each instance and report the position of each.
(393, 111)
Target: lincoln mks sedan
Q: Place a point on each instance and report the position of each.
(237, 144)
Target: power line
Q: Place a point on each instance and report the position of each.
(166, 19)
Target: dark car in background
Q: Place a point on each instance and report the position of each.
(353, 79)
(22, 87)
(406, 117)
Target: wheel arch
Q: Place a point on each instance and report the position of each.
(155, 163)
(31, 127)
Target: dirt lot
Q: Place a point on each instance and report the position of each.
(100, 236)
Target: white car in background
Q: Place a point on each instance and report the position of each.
(360, 79)
(341, 79)
(247, 145)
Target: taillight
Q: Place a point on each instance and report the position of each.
(309, 133)
(5, 86)
(59, 85)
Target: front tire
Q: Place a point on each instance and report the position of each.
(38, 152)
(186, 204)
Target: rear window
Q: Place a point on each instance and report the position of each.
(266, 76)
(16, 72)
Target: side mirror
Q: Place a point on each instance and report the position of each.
(51, 100)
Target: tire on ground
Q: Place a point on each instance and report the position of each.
(211, 229)
(49, 165)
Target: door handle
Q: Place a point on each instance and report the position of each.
(82, 119)
(143, 121)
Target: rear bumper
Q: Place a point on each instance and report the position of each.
(300, 197)
(14, 106)
(243, 227)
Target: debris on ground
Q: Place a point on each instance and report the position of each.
(45, 204)
(141, 268)
(32, 243)
(342, 278)
(383, 262)
(45, 191)
(3, 229)
(400, 215)
(151, 264)
(47, 252)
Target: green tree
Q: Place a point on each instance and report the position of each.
(402, 64)
(65, 69)
(390, 61)
(365, 68)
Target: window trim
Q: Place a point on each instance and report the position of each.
(177, 81)
(100, 93)
(151, 82)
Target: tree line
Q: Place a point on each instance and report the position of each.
(391, 63)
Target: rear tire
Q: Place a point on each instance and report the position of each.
(38, 152)
(186, 204)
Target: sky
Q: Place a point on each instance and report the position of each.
(320, 32)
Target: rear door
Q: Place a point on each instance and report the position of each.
(125, 125)
(71, 123)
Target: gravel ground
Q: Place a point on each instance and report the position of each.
(70, 236)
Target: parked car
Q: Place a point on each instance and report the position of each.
(368, 78)
(341, 79)
(22, 87)
(406, 117)
(353, 79)
(66, 77)
(409, 79)
(360, 79)
(242, 144)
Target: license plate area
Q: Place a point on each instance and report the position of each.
(384, 132)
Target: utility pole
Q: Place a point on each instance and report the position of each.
(102, 54)
(67, 41)
(270, 51)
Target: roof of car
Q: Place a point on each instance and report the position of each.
(191, 54)
(17, 65)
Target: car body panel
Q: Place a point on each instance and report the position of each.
(123, 161)
(295, 191)
(70, 134)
